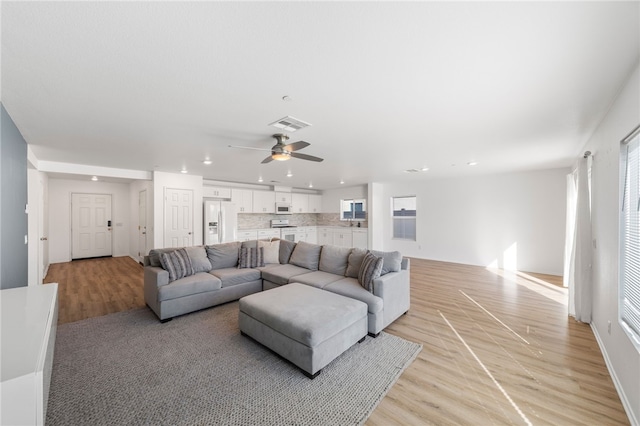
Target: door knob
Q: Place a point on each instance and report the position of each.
(43, 238)
(144, 233)
(189, 233)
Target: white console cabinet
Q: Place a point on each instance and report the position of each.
(28, 320)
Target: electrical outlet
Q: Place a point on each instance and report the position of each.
(595, 245)
(609, 327)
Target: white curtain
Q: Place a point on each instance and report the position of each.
(578, 243)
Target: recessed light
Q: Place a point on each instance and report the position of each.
(341, 182)
(289, 174)
(94, 178)
(287, 98)
(184, 171)
(260, 179)
(424, 169)
(310, 185)
(472, 163)
(207, 162)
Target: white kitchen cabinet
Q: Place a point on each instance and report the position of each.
(360, 238)
(300, 203)
(248, 235)
(243, 199)
(216, 192)
(268, 233)
(342, 238)
(283, 197)
(29, 317)
(264, 202)
(315, 203)
(308, 234)
(324, 235)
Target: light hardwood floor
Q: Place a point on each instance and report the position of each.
(498, 347)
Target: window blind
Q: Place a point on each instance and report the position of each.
(404, 217)
(630, 240)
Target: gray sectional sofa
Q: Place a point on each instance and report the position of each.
(221, 273)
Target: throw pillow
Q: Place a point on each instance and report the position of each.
(286, 248)
(250, 257)
(154, 255)
(306, 255)
(199, 259)
(391, 260)
(369, 271)
(355, 262)
(271, 251)
(177, 264)
(223, 255)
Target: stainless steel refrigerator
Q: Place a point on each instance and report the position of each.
(220, 222)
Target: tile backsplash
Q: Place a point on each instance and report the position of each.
(260, 220)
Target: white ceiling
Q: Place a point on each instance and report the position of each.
(387, 86)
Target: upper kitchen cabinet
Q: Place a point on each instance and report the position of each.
(315, 203)
(243, 199)
(264, 202)
(216, 192)
(300, 203)
(283, 197)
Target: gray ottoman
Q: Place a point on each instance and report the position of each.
(305, 325)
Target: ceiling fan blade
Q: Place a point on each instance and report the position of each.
(296, 146)
(306, 157)
(267, 160)
(249, 147)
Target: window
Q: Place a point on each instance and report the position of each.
(404, 217)
(630, 237)
(353, 210)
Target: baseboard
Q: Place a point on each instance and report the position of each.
(623, 398)
(135, 260)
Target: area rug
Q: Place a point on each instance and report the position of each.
(128, 368)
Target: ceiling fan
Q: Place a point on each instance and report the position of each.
(282, 151)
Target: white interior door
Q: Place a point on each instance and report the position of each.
(178, 214)
(90, 225)
(43, 228)
(142, 224)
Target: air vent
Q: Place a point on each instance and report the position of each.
(290, 124)
(412, 171)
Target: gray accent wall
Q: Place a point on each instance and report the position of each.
(13, 199)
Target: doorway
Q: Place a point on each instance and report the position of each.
(142, 225)
(90, 225)
(178, 214)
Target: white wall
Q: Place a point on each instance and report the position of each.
(511, 221)
(622, 357)
(60, 215)
(162, 181)
(331, 197)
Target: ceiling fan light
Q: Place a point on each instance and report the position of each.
(280, 156)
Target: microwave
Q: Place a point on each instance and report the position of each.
(283, 208)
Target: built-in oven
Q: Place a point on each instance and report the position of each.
(287, 232)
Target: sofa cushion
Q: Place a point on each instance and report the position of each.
(154, 255)
(251, 257)
(350, 287)
(355, 262)
(334, 259)
(271, 251)
(392, 260)
(177, 263)
(223, 255)
(369, 271)
(306, 255)
(197, 283)
(286, 248)
(318, 279)
(199, 259)
(235, 276)
(280, 274)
